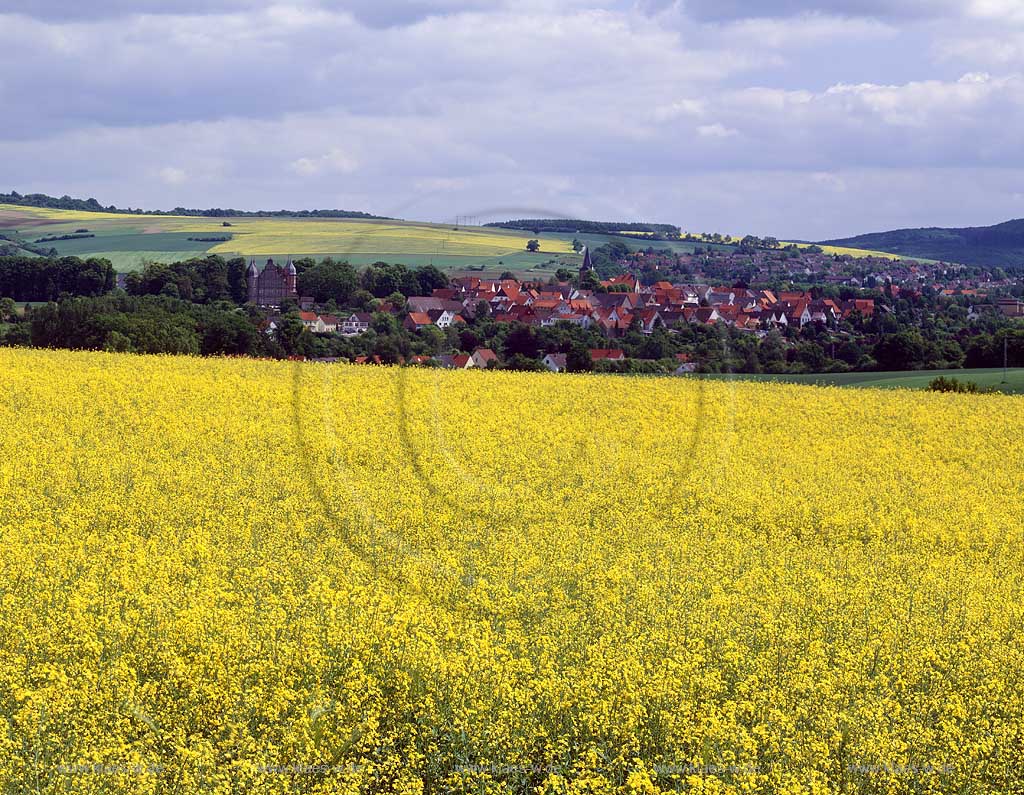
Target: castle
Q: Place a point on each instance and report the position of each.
(273, 284)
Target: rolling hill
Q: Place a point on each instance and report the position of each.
(131, 240)
(1001, 245)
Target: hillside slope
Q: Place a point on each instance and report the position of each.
(129, 241)
(1000, 245)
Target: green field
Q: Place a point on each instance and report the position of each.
(638, 243)
(523, 263)
(130, 241)
(167, 241)
(913, 379)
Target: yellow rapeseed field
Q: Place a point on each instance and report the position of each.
(303, 236)
(237, 576)
(853, 252)
(299, 236)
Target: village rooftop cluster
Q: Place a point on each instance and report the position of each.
(622, 302)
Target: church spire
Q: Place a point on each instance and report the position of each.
(587, 267)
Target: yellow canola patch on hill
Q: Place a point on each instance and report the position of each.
(44, 213)
(839, 250)
(224, 574)
(301, 236)
(853, 252)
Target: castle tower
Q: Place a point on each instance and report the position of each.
(252, 278)
(290, 276)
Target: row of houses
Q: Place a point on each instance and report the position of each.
(482, 358)
(349, 325)
(622, 304)
(626, 302)
(613, 313)
(772, 265)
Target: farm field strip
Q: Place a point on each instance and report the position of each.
(856, 252)
(303, 237)
(261, 236)
(909, 379)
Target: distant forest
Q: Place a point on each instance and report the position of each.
(91, 205)
(1001, 245)
(569, 226)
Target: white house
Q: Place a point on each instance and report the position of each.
(356, 323)
(319, 324)
(555, 362)
(482, 357)
(445, 318)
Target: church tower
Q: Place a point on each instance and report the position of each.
(588, 266)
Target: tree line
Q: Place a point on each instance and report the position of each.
(92, 205)
(199, 306)
(212, 278)
(47, 279)
(573, 226)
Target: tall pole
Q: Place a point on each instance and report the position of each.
(1006, 347)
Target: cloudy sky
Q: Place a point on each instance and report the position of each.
(797, 118)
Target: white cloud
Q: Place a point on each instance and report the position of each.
(1005, 11)
(682, 107)
(922, 104)
(1001, 51)
(716, 130)
(333, 162)
(173, 176)
(808, 30)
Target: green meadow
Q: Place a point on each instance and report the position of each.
(913, 379)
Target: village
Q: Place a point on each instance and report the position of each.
(619, 311)
(613, 307)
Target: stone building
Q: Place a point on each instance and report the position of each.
(273, 284)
